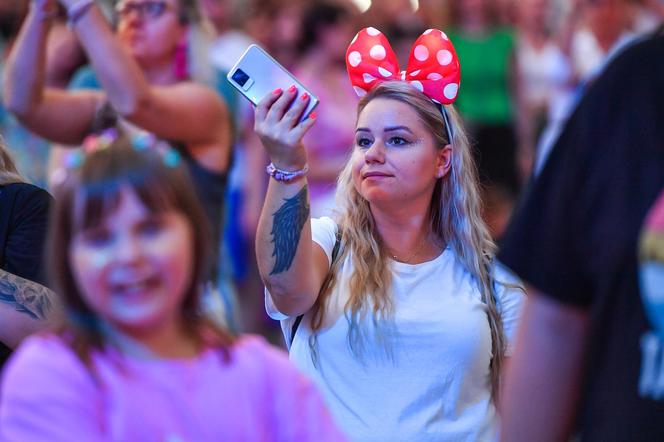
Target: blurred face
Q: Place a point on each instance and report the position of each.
(150, 29)
(334, 39)
(134, 268)
(218, 11)
(607, 18)
(534, 12)
(472, 8)
(396, 159)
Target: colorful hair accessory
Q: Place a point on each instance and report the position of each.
(74, 159)
(140, 141)
(95, 142)
(171, 157)
(143, 141)
(433, 66)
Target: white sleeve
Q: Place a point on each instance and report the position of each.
(510, 302)
(323, 233)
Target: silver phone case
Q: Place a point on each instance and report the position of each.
(265, 75)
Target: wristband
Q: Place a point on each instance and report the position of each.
(44, 15)
(285, 176)
(78, 10)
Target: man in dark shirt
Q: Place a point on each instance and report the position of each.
(589, 239)
(25, 302)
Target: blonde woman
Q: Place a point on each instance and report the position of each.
(406, 324)
(25, 304)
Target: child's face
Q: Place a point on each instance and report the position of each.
(134, 268)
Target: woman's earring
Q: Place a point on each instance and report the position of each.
(180, 65)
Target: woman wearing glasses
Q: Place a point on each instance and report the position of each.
(147, 85)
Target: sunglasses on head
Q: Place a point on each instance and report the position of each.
(151, 9)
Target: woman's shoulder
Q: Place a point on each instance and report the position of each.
(324, 233)
(324, 223)
(26, 192)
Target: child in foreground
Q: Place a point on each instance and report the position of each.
(135, 359)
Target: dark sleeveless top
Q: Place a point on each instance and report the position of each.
(210, 186)
(24, 212)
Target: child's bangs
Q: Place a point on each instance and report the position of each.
(97, 199)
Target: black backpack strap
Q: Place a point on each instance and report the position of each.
(294, 328)
(335, 254)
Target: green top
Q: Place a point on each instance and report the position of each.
(484, 96)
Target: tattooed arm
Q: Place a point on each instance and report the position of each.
(25, 307)
(291, 265)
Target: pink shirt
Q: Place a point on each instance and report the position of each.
(49, 395)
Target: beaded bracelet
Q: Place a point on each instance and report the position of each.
(285, 176)
(78, 10)
(43, 14)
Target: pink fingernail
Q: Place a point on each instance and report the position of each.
(312, 115)
(304, 96)
(292, 89)
(277, 91)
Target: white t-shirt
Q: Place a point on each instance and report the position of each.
(436, 384)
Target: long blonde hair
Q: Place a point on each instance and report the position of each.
(8, 172)
(455, 219)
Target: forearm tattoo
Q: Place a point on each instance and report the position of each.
(25, 296)
(287, 224)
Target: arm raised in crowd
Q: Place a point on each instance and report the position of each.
(54, 114)
(291, 265)
(184, 111)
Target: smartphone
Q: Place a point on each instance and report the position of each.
(256, 74)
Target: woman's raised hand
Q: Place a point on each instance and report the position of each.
(280, 129)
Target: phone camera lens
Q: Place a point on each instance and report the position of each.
(240, 77)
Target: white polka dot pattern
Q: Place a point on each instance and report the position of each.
(444, 57)
(378, 52)
(417, 85)
(451, 90)
(433, 66)
(354, 58)
(421, 52)
(384, 72)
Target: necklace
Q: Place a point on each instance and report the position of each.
(413, 255)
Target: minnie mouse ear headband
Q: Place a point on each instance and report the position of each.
(433, 66)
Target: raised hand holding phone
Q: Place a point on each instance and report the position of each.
(256, 74)
(279, 125)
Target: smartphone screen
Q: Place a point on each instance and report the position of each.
(257, 74)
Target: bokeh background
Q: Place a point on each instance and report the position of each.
(524, 64)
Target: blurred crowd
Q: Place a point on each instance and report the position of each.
(524, 65)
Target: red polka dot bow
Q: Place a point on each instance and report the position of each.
(433, 66)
